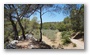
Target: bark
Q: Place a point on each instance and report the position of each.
(40, 25)
(23, 32)
(14, 28)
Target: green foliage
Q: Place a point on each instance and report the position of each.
(34, 23)
(36, 33)
(66, 41)
(61, 27)
(74, 22)
(8, 30)
(65, 37)
(64, 25)
(51, 34)
(74, 45)
(26, 23)
(67, 20)
(50, 25)
(77, 19)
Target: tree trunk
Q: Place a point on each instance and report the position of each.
(14, 28)
(23, 32)
(40, 25)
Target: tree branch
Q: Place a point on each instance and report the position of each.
(25, 10)
(15, 9)
(45, 12)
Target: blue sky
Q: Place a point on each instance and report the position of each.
(48, 17)
(51, 17)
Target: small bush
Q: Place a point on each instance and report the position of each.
(66, 41)
(36, 34)
(50, 33)
(65, 37)
(74, 45)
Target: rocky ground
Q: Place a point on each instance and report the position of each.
(46, 43)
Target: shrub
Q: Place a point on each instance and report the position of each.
(50, 33)
(65, 37)
(74, 45)
(36, 34)
(66, 41)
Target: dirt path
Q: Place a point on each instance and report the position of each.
(58, 37)
(57, 42)
(79, 44)
(51, 43)
(46, 40)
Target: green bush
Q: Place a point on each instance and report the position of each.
(36, 33)
(74, 45)
(50, 33)
(66, 41)
(65, 37)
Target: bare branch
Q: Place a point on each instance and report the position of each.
(15, 10)
(45, 12)
(34, 11)
(25, 11)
